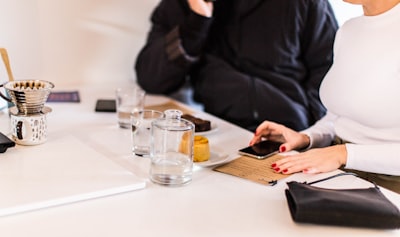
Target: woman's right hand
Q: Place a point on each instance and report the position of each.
(291, 139)
(201, 7)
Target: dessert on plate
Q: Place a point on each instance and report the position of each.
(200, 125)
(201, 147)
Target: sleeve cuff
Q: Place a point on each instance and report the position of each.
(194, 32)
(175, 50)
(196, 25)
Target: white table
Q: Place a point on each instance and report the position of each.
(213, 204)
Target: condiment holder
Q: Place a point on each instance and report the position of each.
(29, 115)
(28, 95)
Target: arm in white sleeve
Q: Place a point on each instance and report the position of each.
(380, 158)
(322, 132)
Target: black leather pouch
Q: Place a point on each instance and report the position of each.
(366, 207)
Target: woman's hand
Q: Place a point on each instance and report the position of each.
(201, 7)
(291, 139)
(313, 161)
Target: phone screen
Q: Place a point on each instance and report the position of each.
(261, 150)
(103, 105)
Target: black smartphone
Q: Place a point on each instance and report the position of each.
(261, 150)
(103, 105)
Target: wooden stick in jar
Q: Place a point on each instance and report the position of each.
(6, 61)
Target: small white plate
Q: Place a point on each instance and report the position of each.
(213, 129)
(216, 158)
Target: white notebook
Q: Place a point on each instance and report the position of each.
(60, 171)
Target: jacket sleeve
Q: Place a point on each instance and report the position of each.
(318, 39)
(173, 46)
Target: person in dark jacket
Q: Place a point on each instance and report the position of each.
(247, 60)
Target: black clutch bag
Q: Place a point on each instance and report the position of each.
(366, 207)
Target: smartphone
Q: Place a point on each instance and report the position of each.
(103, 105)
(261, 150)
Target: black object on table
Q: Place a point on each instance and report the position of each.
(5, 143)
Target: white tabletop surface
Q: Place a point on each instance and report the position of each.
(213, 204)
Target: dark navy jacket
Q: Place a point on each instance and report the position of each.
(254, 60)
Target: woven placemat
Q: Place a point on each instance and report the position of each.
(259, 171)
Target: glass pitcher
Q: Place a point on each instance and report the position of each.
(172, 150)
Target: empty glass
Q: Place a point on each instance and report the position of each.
(172, 150)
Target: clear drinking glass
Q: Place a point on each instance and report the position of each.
(172, 150)
(141, 130)
(128, 100)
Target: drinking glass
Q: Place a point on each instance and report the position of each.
(172, 150)
(141, 130)
(128, 100)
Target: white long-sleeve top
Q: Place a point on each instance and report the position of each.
(361, 92)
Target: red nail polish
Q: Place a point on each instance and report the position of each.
(277, 169)
(273, 165)
(285, 171)
(283, 148)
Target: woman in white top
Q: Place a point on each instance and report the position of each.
(361, 92)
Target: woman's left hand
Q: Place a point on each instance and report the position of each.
(313, 161)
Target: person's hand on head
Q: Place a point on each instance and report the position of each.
(291, 139)
(201, 7)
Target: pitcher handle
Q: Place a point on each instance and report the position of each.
(19, 130)
(28, 130)
(3, 96)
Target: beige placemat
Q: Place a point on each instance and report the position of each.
(259, 171)
(169, 105)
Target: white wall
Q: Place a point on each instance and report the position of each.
(93, 41)
(69, 41)
(20, 36)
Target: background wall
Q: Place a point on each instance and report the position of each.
(69, 41)
(88, 41)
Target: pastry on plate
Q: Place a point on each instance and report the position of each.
(201, 149)
(200, 125)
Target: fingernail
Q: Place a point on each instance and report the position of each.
(277, 169)
(285, 171)
(283, 148)
(273, 165)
